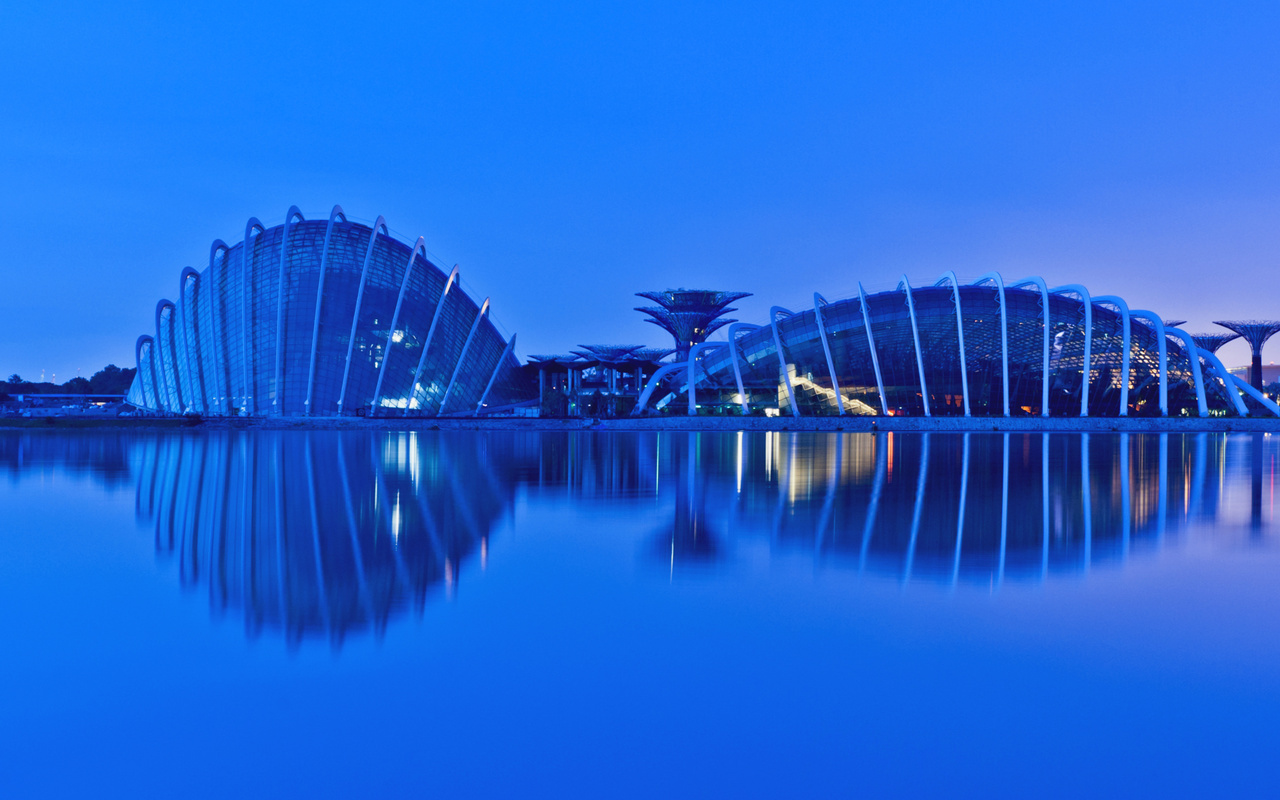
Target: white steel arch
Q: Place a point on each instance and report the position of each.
(315, 325)
(147, 342)
(1044, 304)
(734, 355)
(419, 246)
(692, 393)
(247, 258)
(511, 345)
(818, 302)
(1162, 351)
(871, 345)
(381, 223)
(217, 330)
(1087, 302)
(1228, 383)
(774, 312)
(1119, 303)
(915, 335)
(1245, 387)
(168, 356)
(475, 325)
(293, 213)
(431, 332)
(654, 383)
(950, 276)
(191, 330)
(1004, 331)
(1191, 349)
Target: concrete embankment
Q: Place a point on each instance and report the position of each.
(852, 424)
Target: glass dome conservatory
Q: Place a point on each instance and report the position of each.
(953, 349)
(322, 318)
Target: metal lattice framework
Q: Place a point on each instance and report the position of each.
(319, 318)
(984, 348)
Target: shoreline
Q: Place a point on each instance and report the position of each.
(675, 424)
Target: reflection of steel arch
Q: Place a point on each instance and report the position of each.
(348, 301)
(1046, 339)
(319, 537)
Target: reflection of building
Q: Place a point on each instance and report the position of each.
(952, 349)
(324, 535)
(319, 535)
(102, 455)
(318, 317)
(392, 515)
(959, 506)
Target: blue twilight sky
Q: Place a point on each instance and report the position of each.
(568, 154)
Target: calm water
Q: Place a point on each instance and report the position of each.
(603, 615)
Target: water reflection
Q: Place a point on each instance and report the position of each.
(324, 535)
(320, 534)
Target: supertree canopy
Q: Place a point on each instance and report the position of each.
(1256, 332)
(689, 315)
(1213, 341)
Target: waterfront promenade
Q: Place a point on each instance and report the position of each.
(709, 423)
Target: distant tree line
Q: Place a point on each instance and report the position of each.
(108, 380)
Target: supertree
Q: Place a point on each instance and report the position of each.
(689, 315)
(1256, 332)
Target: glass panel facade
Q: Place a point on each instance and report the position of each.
(980, 321)
(250, 316)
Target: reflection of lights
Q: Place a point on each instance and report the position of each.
(414, 460)
(395, 521)
(739, 462)
(889, 453)
(768, 456)
(398, 336)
